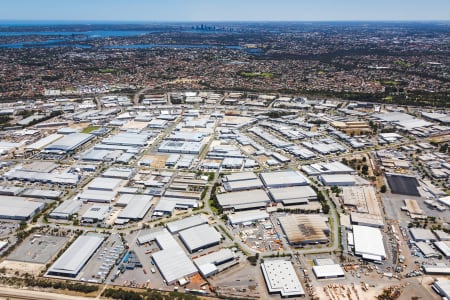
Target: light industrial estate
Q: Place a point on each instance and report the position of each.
(231, 194)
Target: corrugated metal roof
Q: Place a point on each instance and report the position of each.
(76, 256)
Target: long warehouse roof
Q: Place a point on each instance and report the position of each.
(76, 256)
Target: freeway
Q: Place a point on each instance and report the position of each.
(21, 294)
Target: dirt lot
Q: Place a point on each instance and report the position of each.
(158, 161)
(22, 267)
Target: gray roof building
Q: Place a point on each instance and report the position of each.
(17, 208)
(243, 200)
(283, 179)
(186, 223)
(70, 263)
(200, 237)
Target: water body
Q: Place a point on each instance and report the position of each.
(88, 34)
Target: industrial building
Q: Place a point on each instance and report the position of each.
(100, 196)
(136, 208)
(322, 168)
(368, 243)
(104, 184)
(55, 178)
(243, 200)
(18, 208)
(208, 264)
(167, 205)
(68, 143)
(305, 229)
(283, 179)
(172, 261)
(180, 147)
(200, 237)
(328, 271)
(70, 263)
(280, 277)
(186, 223)
(96, 213)
(66, 209)
(293, 195)
(338, 180)
(241, 181)
(422, 235)
(442, 287)
(247, 217)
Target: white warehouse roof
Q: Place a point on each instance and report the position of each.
(198, 237)
(368, 242)
(283, 179)
(186, 223)
(243, 199)
(70, 263)
(280, 276)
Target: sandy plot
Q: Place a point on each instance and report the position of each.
(22, 267)
(135, 125)
(248, 149)
(158, 161)
(262, 159)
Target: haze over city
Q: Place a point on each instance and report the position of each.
(231, 10)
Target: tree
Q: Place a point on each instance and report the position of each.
(383, 189)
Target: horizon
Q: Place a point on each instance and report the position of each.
(220, 11)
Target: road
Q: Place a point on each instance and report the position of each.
(19, 294)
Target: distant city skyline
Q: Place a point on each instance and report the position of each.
(230, 10)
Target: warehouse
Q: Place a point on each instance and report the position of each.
(442, 287)
(414, 210)
(180, 147)
(167, 205)
(328, 271)
(283, 179)
(137, 208)
(56, 178)
(422, 235)
(426, 250)
(305, 229)
(96, 213)
(68, 143)
(247, 217)
(172, 261)
(66, 209)
(369, 243)
(104, 184)
(130, 139)
(338, 180)
(293, 195)
(186, 223)
(335, 167)
(241, 182)
(364, 219)
(280, 277)
(44, 142)
(17, 208)
(43, 194)
(200, 237)
(444, 247)
(70, 263)
(121, 173)
(208, 263)
(243, 200)
(99, 196)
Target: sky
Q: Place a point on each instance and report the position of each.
(224, 10)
